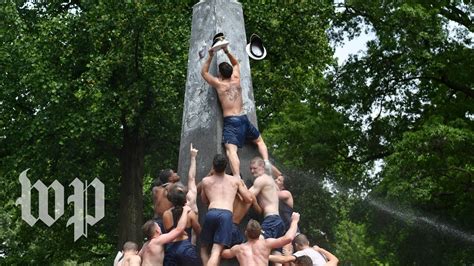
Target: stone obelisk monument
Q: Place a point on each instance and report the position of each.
(202, 115)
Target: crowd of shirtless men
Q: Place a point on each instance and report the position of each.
(175, 229)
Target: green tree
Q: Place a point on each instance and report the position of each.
(88, 90)
(410, 98)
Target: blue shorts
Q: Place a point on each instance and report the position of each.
(237, 236)
(273, 227)
(237, 129)
(159, 221)
(181, 253)
(217, 227)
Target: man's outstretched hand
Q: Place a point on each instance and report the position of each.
(211, 52)
(193, 151)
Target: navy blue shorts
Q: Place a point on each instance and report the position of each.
(237, 236)
(217, 227)
(237, 129)
(181, 253)
(273, 227)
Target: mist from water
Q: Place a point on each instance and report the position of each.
(410, 217)
(405, 214)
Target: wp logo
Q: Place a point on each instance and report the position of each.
(81, 219)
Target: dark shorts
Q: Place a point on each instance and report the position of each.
(237, 236)
(159, 221)
(237, 129)
(181, 253)
(273, 226)
(217, 227)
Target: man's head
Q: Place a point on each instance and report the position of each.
(130, 246)
(177, 196)
(168, 176)
(303, 261)
(257, 166)
(253, 229)
(150, 228)
(280, 181)
(219, 163)
(301, 242)
(226, 70)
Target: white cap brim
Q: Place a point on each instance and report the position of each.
(247, 49)
(219, 45)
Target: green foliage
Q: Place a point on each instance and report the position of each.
(352, 245)
(78, 79)
(86, 88)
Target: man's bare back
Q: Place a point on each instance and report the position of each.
(160, 201)
(253, 253)
(230, 96)
(152, 253)
(228, 88)
(257, 250)
(130, 260)
(220, 190)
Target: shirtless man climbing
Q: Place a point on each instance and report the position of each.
(219, 190)
(256, 251)
(152, 252)
(237, 127)
(266, 191)
(163, 184)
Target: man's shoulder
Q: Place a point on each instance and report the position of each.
(284, 193)
(265, 179)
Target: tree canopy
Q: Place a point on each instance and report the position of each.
(378, 149)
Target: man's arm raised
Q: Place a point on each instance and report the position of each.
(244, 192)
(288, 237)
(234, 62)
(331, 259)
(213, 81)
(192, 189)
(230, 252)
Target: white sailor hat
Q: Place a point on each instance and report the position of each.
(255, 48)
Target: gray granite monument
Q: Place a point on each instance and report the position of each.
(202, 114)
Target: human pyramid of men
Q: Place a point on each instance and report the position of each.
(171, 235)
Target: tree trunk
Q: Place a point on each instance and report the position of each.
(131, 187)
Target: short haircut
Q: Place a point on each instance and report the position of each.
(219, 163)
(257, 160)
(149, 229)
(156, 183)
(301, 240)
(303, 261)
(165, 175)
(226, 70)
(130, 246)
(253, 229)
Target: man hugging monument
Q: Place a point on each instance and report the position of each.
(202, 116)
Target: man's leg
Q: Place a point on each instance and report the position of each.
(204, 255)
(231, 151)
(262, 149)
(215, 255)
